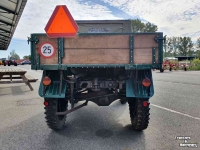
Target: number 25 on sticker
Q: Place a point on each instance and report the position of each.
(47, 50)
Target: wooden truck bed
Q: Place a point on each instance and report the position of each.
(104, 49)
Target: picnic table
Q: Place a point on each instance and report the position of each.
(10, 74)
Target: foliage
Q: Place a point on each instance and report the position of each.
(198, 48)
(195, 64)
(139, 26)
(198, 43)
(14, 55)
(178, 46)
(27, 57)
(171, 46)
(198, 53)
(185, 47)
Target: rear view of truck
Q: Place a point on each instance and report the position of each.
(104, 62)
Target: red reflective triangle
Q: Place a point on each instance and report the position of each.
(61, 23)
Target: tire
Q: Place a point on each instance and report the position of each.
(54, 121)
(123, 99)
(4, 64)
(139, 114)
(185, 69)
(8, 64)
(170, 69)
(161, 70)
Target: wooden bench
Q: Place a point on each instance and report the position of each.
(16, 74)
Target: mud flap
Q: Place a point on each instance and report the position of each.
(57, 88)
(134, 87)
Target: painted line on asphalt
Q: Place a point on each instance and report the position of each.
(176, 112)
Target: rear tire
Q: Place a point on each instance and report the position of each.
(161, 70)
(139, 114)
(54, 121)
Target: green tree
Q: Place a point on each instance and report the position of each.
(198, 48)
(168, 47)
(198, 43)
(13, 54)
(185, 46)
(27, 57)
(138, 26)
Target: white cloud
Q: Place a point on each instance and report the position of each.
(173, 17)
(176, 17)
(37, 13)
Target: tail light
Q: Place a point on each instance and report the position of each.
(46, 103)
(146, 82)
(145, 103)
(46, 81)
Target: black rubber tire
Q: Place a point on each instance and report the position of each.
(8, 64)
(170, 69)
(139, 114)
(185, 69)
(54, 121)
(4, 64)
(161, 70)
(123, 101)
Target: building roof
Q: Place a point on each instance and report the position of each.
(185, 57)
(10, 13)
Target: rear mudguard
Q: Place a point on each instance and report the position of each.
(134, 87)
(56, 89)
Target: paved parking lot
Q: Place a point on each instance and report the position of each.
(174, 113)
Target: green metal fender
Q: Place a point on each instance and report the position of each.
(134, 87)
(56, 89)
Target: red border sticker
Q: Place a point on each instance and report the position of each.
(47, 50)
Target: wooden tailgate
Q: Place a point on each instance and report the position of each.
(103, 49)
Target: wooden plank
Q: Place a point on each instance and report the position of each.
(97, 41)
(10, 82)
(27, 82)
(103, 49)
(145, 41)
(96, 56)
(12, 78)
(30, 79)
(144, 56)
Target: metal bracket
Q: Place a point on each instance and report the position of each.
(33, 40)
(131, 49)
(153, 55)
(60, 51)
(157, 38)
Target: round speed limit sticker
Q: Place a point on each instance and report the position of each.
(47, 50)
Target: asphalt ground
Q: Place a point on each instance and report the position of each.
(174, 114)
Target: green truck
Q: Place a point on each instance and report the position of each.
(105, 62)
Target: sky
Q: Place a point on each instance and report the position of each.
(173, 17)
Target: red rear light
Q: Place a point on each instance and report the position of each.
(145, 103)
(46, 103)
(146, 82)
(46, 81)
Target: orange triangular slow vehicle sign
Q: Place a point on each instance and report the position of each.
(61, 23)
